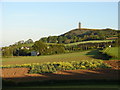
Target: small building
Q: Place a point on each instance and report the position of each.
(110, 46)
(27, 48)
(22, 47)
(33, 53)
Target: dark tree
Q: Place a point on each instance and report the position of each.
(40, 47)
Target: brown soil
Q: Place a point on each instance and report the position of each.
(114, 63)
(21, 74)
(14, 72)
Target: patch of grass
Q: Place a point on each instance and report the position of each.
(83, 42)
(112, 51)
(92, 41)
(76, 56)
(96, 54)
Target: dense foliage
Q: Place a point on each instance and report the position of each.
(45, 49)
(87, 46)
(53, 48)
(40, 47)
(77, 35)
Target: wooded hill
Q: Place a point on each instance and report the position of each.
(83, 34)
(74, 40)
(85, 31)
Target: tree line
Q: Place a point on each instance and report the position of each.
(78, 36)
(87, 46)
(39, 47)
(42, 48)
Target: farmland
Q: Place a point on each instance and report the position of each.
(76, 56)
(41, 46)
(38, 74)
(78, 61)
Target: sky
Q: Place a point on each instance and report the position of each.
(33, 20)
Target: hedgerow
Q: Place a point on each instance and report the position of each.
(59, 66)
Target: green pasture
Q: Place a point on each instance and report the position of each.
(25, 45)
(112, 51)
(92, 41)
(76, 56)
(84, 42)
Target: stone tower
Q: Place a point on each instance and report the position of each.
(79, 25)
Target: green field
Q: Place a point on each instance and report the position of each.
(83, 42)
(112, 51)
(76, 56)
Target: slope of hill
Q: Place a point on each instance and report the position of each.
(84, 34)
(85, 31)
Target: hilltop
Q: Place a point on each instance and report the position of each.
(84, 34)
(86, 31)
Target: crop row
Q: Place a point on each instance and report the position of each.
(56, 66)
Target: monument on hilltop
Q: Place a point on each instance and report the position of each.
(79, 25)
